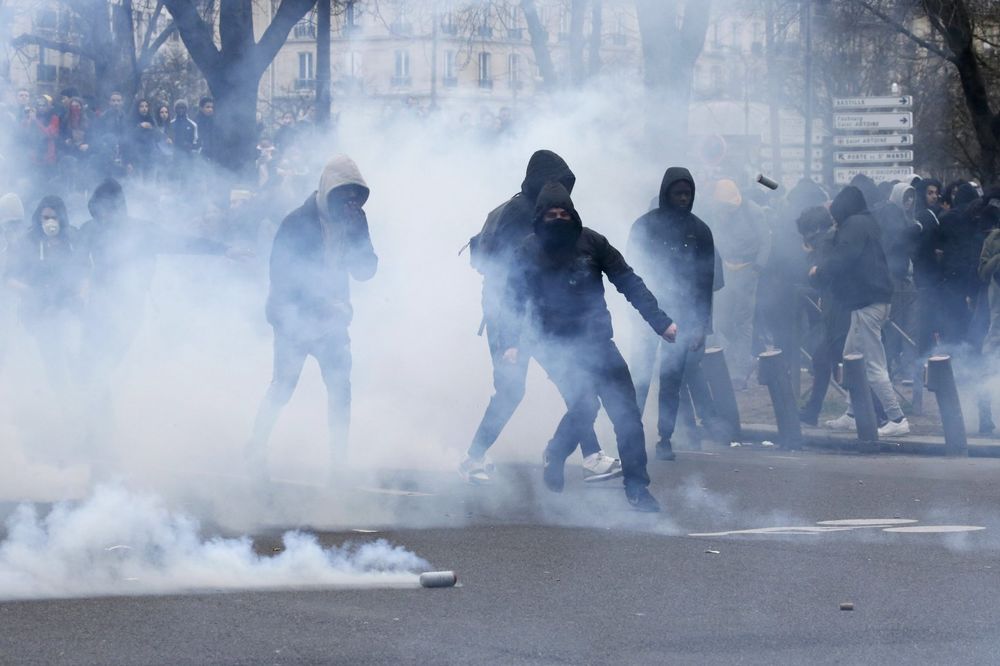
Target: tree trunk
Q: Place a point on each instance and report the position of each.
(596, 36)
(669, 53)
(540, 45)
(577, 71)
(323, 63)
(951, 18)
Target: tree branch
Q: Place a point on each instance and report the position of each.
(197, 35)
(289, 13)
(153, 20)
(42, 42)
(903, 30)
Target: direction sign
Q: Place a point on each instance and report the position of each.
(873, 121)
(874, 156)
(843, 175)
(790, 152)
(892, 102)
(873, 141)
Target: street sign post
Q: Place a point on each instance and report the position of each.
(873, 141)
(873, 121)
(843, 175)
(888, 102)
(874, 156)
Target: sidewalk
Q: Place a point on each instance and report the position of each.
(847, 441)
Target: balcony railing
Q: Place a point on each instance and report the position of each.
(401, 81)
(305, 84)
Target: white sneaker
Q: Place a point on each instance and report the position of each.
(842, 422)
(893, 429)
(476, 472)
(600, 467)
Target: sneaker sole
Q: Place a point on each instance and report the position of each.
(594, 478)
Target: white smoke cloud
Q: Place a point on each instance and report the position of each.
(120, 543)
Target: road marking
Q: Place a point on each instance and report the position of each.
(393, 491)
(800, 529)
(935, 529)
(867, 522)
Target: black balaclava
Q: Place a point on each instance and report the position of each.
(560, 234)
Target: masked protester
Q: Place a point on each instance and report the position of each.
(492, 251)
(675, 250)
(49, 273)
(556, 292)
(857, 273)
(900, 235)
(318, 249)
(958, 246)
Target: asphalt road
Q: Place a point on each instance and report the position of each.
(580, 579)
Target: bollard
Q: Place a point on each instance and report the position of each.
(862, 404)
(919, 376)
(772, 372)
(716, 372)
(941, 382)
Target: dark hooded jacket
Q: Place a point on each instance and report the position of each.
(926, 269)
(556, 284)
(52, 267)
(511, 222)
(674, 249)
(960, 243)
(854, 264)
(122, 250)
(315, 252)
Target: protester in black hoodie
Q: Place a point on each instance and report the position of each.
(556, 294)
(675, 251)
(926, 264)
(318, 249)
(492, 251)
(857, 272)
(959, 245)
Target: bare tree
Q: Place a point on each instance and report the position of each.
(105, 35)
(953, 36)
(233, 66)
(673, 36)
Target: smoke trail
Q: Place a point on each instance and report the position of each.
(120, 543)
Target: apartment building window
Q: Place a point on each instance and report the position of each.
(448, 25)
(484, 29)
(306, 77)
(619, 38)
(352, 64)
(512, 21)
(46, 72)
(514, 71)
(401, 68)
(305, 29)
(401, 22)
(352, 17)
(564, 25)
(450, 76)
(485, 71)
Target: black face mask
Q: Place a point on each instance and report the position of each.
(558, 234)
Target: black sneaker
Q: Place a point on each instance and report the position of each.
(641, 499)
(808, 419)
(664, 451)
(552, 472)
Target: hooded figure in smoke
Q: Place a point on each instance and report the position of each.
(47, 269)
(318, 248)
(675, 250)
(492, 251)
(556, 294)
(856, 270)
(743, 241)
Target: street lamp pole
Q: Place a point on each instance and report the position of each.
(807, 35)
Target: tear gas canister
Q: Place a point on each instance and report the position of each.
(438, 579)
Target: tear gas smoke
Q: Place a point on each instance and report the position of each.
(120, 543)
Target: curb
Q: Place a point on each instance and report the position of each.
(979, 447)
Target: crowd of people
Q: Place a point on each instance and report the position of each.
(894, 271)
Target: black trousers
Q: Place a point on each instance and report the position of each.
(508, 391)
(333, 353)
(586, 371)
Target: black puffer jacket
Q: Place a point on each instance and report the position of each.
(559, 291)
(854, 265)
(674, 249)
